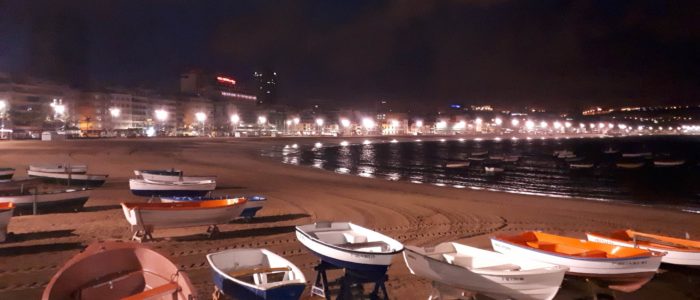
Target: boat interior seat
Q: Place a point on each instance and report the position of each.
(158, 292)
(593, 253)
(542, 245)
(353, 237)
(376, 244)
(118, 285)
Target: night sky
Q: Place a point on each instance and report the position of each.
(544, 53)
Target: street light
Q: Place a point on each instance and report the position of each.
(514, 122)
(262, 120)
(529, 124)
(3, 105)
(368, 123)
(296, 121)
(498, 121)
(115, 112)
(235, 119)
(345, 123)
(419, 123)
(201, 117)
(161, 115)
(319, 122)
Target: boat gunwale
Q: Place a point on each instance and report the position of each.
(183, 205)
(352, 250)
(293, 268)
(661, 248)
(607, 259)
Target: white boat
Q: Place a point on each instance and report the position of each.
(477, 158)
(59, 168)
(350, 246)
(619, 268)
(479, 153)
(493, 169)
(176, 172)
(678, 251)
(636, 154)
(496, 157)
(80, 179)
(457, 164)
(668, 162)
(511, 158)
(564, 154)
(170, 177)
(144, 217)
(49, 201)
(6, 210)
(581, 165)
(151, 188)
(255, 274)
(630, 165)
(6, 174)
(486, 272)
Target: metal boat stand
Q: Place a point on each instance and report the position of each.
(212, 230)
(142, 235)
(348, 281)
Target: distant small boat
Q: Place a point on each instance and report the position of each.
(581, 165)
(668, 162)
(82, 179)
(172, 172)
(18, 186)
(116, 270)
(6, 173)
(564, 154)
(256, 274)
(479, 153)
(636, 154)
(6, 210)
(150, 188)
(252, 205)
(171, 177)
(349, 246)
(457, 164)
(477, 158)
(494, 169)
(678, 251)
(48, 201)
(620, 268)
(59, 168)
(630, 165)
(511, 158)
(490, 273)
(610, 150)
(574, 159)
(144, 217)
(496, 157)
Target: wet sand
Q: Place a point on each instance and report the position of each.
(416, 214)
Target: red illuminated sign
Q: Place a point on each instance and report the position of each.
(225, 80)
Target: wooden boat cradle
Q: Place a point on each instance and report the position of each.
(146, 234)
(321, 287)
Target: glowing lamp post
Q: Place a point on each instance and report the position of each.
(201, 118)
(161, 116)
(368, 124)
(235, 120)
(319, 125)
(115, 112)
(3, 108)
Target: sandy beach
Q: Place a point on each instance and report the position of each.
(417, 214)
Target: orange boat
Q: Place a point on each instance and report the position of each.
(115, 270)
(678, 251)
(6, 210)
(620, 268)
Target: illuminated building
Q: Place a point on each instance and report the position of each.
(266, 87)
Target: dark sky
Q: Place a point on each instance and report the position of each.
(547, 53)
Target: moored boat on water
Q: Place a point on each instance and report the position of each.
(116, 270)
(619, 268)
(457, 164)
(350, 246)
(581, 165)
(6, 173)
(486, 272)
(630, 164)
(143, 218)
(493, 169)
(66, 200)
(255, 274)
(678, 251)
(636, 154)
(6, 211)
(151, 188)
(252, 205)
(59, 168)
(80, 179)
(668, 162)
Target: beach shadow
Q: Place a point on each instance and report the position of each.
(100, 208)
(230, 187)
(39, 235)
(268, 219)
(254, 232)
(34, 249)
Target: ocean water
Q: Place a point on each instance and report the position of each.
(536, 170)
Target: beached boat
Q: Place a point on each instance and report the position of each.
(172, 176)
(636, 154)
(477, 158)
(457, 164)
(6, 210)
(511, 158)
(581, 165)
(564, 154)
(480, 153)
(678, 251)
(145, 217)
(255, 274)
(493, 169)
(150, 188)
(18, 185)
(6, 173)
(252, 205)
(619, 268)
(174, 172)
(496, 157)
(350, 246)
(490, 273)
(59, 168)
(48, 201)
(630, 164)
(574, 159)
(92, 180)
(116, 270)
(668, 162)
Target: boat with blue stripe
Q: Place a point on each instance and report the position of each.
(252, 206)
(151, 188)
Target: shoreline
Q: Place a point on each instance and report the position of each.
(415, 214)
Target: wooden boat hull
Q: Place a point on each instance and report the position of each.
(171, 178)
(6, 211)
(59, 168)
(66, 178)
(291, 288)
(581, 166)
(662, 164)
(146, 218)
(64, 201)
(365, 261)
(146, 188)
(174, 172)
(685, 258)
(630, 165)
(250, 208)
(125, 269)
(6, 174)
(623, 274)
(530, 284)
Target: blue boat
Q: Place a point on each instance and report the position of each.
(252, 206)
(255, 274)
